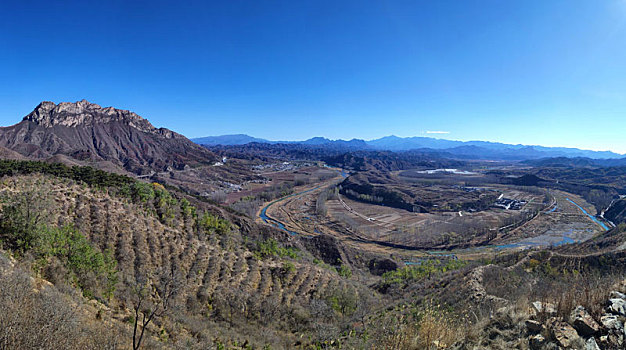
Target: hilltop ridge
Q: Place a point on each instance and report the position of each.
(49, 114)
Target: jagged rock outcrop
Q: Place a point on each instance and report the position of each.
(582, 321)
(617, 212)
(582, 330)
(92, 134)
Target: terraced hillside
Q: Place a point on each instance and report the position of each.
(230, 272)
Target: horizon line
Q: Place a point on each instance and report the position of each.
(408, 137)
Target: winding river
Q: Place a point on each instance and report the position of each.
(531, 242)
(589, 215)
(268, 220)
(274, 222)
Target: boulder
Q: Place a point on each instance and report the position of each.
(564, 334)
(611, 322)
(537, 342)
(612, 341)
(582, 321)
(534, 326)
(617, 295)
(591, 344)
(543, 308)
(617, 306)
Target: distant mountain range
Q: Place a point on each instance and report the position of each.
(576, 162)
(447, 148)
(238, 139)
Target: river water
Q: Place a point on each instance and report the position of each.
(589, 215)
(278, 224)
(543, 240)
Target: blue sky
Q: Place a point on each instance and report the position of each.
(549, 72)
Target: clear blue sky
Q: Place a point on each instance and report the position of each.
(549, 72)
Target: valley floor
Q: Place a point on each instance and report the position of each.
(395, 231)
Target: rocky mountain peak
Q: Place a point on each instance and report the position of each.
(84, 113)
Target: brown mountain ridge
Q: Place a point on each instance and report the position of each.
(90, 134)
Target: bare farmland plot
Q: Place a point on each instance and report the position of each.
(427, 229)
(385, 228)
(564, 224)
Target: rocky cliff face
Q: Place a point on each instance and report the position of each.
(617, 212)
(84, 113)
(88, 132)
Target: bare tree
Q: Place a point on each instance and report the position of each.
(153, 298)
(320, 204)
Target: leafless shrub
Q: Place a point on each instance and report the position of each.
(299, 180)
(426, 328)
(42, 318)
(248, 207)
(323, 175)
(218, 196)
